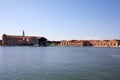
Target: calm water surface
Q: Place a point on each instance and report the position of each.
(59, 63)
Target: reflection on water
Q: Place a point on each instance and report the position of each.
(59, 63)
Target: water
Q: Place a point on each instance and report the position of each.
(59, 63)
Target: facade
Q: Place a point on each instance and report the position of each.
(43, 41)
(94, 43)
(75, 43)
(105, 43)
(14, 40)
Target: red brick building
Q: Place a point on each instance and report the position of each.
(95, 43)
(105, 43)
(19, 40)
(75, 43)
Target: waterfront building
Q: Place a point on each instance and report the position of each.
(94, 43)
(42, 41)
(0, 42)
(105, 43)
(15, 40)
(75, 43)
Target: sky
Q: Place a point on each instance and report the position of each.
(61, 19)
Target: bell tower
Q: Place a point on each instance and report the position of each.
(23, 34)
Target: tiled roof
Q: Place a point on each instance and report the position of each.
(18, 36)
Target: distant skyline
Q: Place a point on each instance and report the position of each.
(61, 19)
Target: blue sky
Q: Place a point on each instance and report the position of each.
(61, 19)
